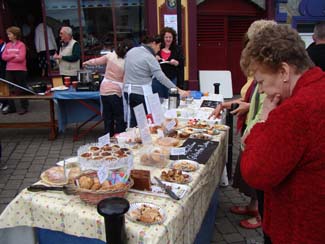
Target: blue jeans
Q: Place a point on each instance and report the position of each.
(159, 88)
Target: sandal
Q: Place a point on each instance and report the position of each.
(246, 224)
(243, 210)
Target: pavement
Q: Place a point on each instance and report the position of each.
(28, 152)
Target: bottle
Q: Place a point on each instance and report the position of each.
(173, 98)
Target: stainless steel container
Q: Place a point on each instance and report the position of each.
(84, 76)
(173, 98)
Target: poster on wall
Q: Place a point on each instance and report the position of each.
(170, 20)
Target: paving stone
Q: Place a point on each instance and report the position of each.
(8, 193)
(224, 226)
(17, 177)
(233, 237)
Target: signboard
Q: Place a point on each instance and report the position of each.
(197, 150)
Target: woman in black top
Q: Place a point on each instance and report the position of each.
(171, 61)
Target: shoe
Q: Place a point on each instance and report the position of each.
(7, 110)
(22, 112)
(247, 225)
(243, 210)
(4, 167)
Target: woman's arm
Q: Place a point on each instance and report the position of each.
(274, 147)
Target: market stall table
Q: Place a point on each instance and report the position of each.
(68, 214)
(35, 124)
(78, 107)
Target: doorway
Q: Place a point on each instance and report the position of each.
(26, 16)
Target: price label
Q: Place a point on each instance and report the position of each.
(102, 141)
(160, 133)
(170, 125)
(178, 151)
(102, 173)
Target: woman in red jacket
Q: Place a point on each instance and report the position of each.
(16, 69)
(285, 153)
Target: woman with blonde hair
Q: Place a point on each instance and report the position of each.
(16, 68)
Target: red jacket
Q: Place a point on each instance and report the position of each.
(285, 157)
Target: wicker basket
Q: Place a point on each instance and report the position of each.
(94, 197)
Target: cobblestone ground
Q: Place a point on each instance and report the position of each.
(28, 152)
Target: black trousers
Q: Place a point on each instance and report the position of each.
(113, 114)
(135, 100)
(260, 198)
(19, 78)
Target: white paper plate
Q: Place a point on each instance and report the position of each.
(185, 165)
(68, 161)
(137, 205)
(156, 190)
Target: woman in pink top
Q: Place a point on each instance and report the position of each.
(111, 87)
(16, 69)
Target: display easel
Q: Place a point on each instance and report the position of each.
(5, 86)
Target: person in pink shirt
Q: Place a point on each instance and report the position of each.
(16, 69)
(111, 87)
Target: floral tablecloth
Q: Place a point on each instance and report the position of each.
(59, 212)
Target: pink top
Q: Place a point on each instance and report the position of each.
(114, 72)
(15, 56)
(165, 55)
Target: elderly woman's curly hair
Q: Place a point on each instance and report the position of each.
(272, 46)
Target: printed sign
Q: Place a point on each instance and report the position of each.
(209, 103)
(178, 151)
(104, 140)
(155, 106)
(141, 118)
(102, 173)
(197, 150)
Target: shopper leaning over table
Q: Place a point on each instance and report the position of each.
(16, 69)
(285, 152)
(69, 54)
(111, 87)
(140, 66)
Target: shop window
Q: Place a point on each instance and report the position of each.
(103, 22)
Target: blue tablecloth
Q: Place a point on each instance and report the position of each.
(70, 110)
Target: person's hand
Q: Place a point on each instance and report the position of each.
(242, 108)
(85, 63)
(174, 62)
(57, 56)
(269, 104)
(159, 58)
(183, 93)
(216, 112)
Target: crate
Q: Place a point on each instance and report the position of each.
(4, 89)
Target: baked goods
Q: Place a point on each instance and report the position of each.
(168, 142)
(92, 183)
(54, 176)
(154, 128)
(183, 135)
(175, 175)
(147, 214)
(185, 165)
(92, 157)
(141, 179)
(157, 157)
